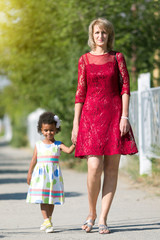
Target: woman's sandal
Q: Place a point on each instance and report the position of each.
(89, 223)
(103, 227)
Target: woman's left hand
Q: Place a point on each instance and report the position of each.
(124, 126)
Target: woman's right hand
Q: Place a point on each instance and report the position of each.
(74, 134)
(76, 120)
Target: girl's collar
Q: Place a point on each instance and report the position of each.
(50, 143)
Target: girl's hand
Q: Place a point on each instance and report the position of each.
(124, 126)
(74, 134)
(29, 178)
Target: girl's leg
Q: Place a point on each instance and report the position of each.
(51, 208)
(111, 165)
(45, 210)
(95, 167)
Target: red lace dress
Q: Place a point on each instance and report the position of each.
(100, 90)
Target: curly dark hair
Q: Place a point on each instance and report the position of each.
(47, 118)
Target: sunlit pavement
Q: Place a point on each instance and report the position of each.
(135, 214)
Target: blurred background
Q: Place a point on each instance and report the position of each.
(40, 44)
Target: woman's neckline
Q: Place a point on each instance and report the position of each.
(99, 54)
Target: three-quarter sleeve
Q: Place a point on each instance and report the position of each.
(124, 76)
(82, 82)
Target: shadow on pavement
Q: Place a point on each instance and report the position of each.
(13, 196)
(13, 180)
(63, 229)
(115, 229)
(136, 227)
(72, 194)
(13, 171)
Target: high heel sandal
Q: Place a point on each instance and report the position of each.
(89, 223)
(103, 228)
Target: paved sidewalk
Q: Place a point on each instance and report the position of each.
(135, 215)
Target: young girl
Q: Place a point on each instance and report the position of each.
(44, 175)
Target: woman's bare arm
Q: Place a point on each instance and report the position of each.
(77, 116)
(124, 123)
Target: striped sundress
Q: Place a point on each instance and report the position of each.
(47, 182)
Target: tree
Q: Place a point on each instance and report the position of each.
(41, 42)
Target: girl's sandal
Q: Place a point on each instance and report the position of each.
(103, 228)
(89, 223)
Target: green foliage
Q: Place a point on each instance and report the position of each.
(2, 107)
(156, 166)
(41, 41)
(19, 134)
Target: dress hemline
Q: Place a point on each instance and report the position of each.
(109, 154)
(46, 203)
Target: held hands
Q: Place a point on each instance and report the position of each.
(124, 126)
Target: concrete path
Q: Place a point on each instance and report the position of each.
(135, 214)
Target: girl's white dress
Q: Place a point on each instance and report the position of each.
(47, 183)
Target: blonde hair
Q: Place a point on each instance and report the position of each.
(103, 24)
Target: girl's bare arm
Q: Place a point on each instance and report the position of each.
(32, 165)
(67, 149)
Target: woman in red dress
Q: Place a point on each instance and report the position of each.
(101, 129)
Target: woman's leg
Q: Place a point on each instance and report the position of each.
(95, 167)
(111, 166)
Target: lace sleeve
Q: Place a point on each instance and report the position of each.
(124, 76)
(82, 83)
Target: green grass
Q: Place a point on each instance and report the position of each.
(2, 133)
(151, 183)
